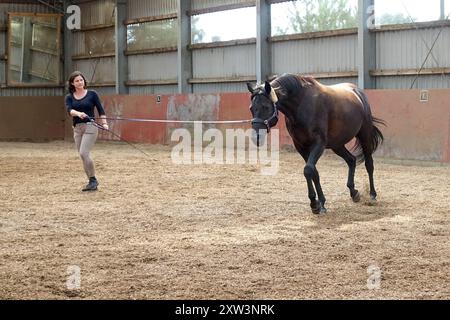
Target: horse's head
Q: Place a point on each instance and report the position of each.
(264, 110)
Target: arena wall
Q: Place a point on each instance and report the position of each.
(415, 129)
(418, 130)
(32, 118)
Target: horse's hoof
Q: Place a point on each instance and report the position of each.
(319, 210)
(315, 210)
(315, 207)
(373, 200)
(356, 197)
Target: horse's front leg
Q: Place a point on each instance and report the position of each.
(315, 206)
(312, 176)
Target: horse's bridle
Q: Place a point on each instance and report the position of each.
(268, 121)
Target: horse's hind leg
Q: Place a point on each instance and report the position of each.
(368, 161)
(351, 162)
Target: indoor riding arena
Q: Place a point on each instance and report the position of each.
(187, 207)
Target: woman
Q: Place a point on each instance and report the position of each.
(80, 104)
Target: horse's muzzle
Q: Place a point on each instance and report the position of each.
(258, 124)
(259, 137)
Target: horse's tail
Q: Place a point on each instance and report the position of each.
(375, 135)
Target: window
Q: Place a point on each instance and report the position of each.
(151, 35)
(34, 49)
(400, 11)
(224, 25)
(304, 16)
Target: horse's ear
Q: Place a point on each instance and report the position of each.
(250, 87)
(267, 87)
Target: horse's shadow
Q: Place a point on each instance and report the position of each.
(341, 214)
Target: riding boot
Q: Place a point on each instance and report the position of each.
(92, 185)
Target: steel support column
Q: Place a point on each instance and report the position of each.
(263, 47)
(366, 44)
(120, 47)
(184, 57)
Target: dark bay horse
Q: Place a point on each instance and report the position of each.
(319, 117)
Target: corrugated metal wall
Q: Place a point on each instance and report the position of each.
(145, 8)
(99, 12)
(396, 50)
(56, 91)
(18, 7)
(331, 81)
(158, 68)
(154, 89)
(421, 82)
(411, 48)
(232, 61)
(320, 55)
(408, 49)
(206, 4)
(97, 70)
(219, 87)
(78, 43)
(96, 37)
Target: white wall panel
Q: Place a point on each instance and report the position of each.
(224, 61)
(153, 66)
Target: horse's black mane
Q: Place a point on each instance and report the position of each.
(291, 83)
